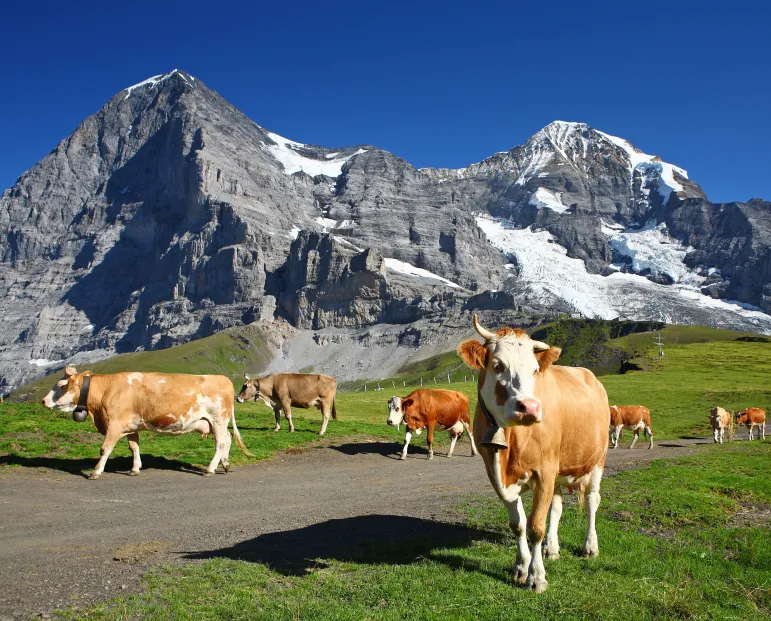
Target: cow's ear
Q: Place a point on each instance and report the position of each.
(406, 404)
(70, 371)
(473, 353)
(547, 357)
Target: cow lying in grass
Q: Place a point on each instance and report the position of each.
(426, 408)
(751, 418)
(540, 427)
(123, 404)
(720, 420)
(633, 417)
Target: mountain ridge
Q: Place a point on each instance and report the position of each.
(169, 215)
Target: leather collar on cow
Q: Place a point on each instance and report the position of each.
(494, 435)
(81, 409)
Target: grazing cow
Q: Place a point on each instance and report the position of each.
(427, 408)
(633, 417)
(540, 427)
(720, 420)
(286, 390)
(751, 418)
(123, 404)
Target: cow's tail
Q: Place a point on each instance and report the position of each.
(237, 436)
(334, 409)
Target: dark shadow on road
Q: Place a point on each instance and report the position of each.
(371, 539)
(81, 466)
(386, 449)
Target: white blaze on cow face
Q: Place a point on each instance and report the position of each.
(508, 360)
(64, 395)
(395, 413)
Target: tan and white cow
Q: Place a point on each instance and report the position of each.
(720, 420)
(123, 404)
(540, 427)
(426, 408)
(287, 390)
(633, 417)
(751, 418)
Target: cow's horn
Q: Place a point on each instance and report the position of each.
(540, 346)
(246, 376)
(485, 334)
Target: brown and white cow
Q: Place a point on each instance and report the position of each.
(633, 417)
(751, 418)
(720, 420)
(123, 404)
(540, 427)
(286, 390)
(426, 408)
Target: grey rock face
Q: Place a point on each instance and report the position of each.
(169, 215)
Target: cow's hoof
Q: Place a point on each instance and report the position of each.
(277, 428)
(402, 457)
(540, 586)
(134, 473)
(588, 553)
(552, 556)
(227, 468)
(209, 473)
(94, 476)
(520, 573)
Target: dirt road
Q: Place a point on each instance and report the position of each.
(65, 540)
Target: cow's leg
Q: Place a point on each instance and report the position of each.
(225, 448)
(453, 440)
(326, 408)
(763, 431)
(552, 536)
(133, 442)
(517, 521)
(110, 440)
(430, 438)
(591, 547)
(634, 440)
(288, 413)
(715, 433)
(752, 427)
(536, 530)
(650, 437)
(221, 448)
(471, 437)
(407, 438)
(277, 412)
(617, 436)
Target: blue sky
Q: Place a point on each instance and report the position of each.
(437, 83)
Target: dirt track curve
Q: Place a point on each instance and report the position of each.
(65, 540)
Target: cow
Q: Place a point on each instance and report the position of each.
(286, 390)
(633, 417)
(539, 427)
(720, 420)
(751, 418)
(427, 408)
(123, 404)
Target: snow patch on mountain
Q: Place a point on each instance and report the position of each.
(646, 163)
(651, 249)
(154, 81)
(549, 275)
(424, 276)
(548, 199)
(286, 152)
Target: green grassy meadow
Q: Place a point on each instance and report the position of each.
(668, 550)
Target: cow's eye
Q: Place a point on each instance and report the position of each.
(498, 366)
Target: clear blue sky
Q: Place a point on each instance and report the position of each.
(437, 83)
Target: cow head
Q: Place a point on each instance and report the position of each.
(250, 391)
(508, 362)
(742, 418)
(65, 394)
(395, 413)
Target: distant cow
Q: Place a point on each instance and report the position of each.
(427, 408)
(633, 417)
(286, 390)
(751, 418)
(720, 420)
(123, 404)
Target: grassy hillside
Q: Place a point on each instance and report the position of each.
(230, 352)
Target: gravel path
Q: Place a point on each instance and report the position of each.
(65, 540)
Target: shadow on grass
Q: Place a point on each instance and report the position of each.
(369, 539)
(79, 465)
